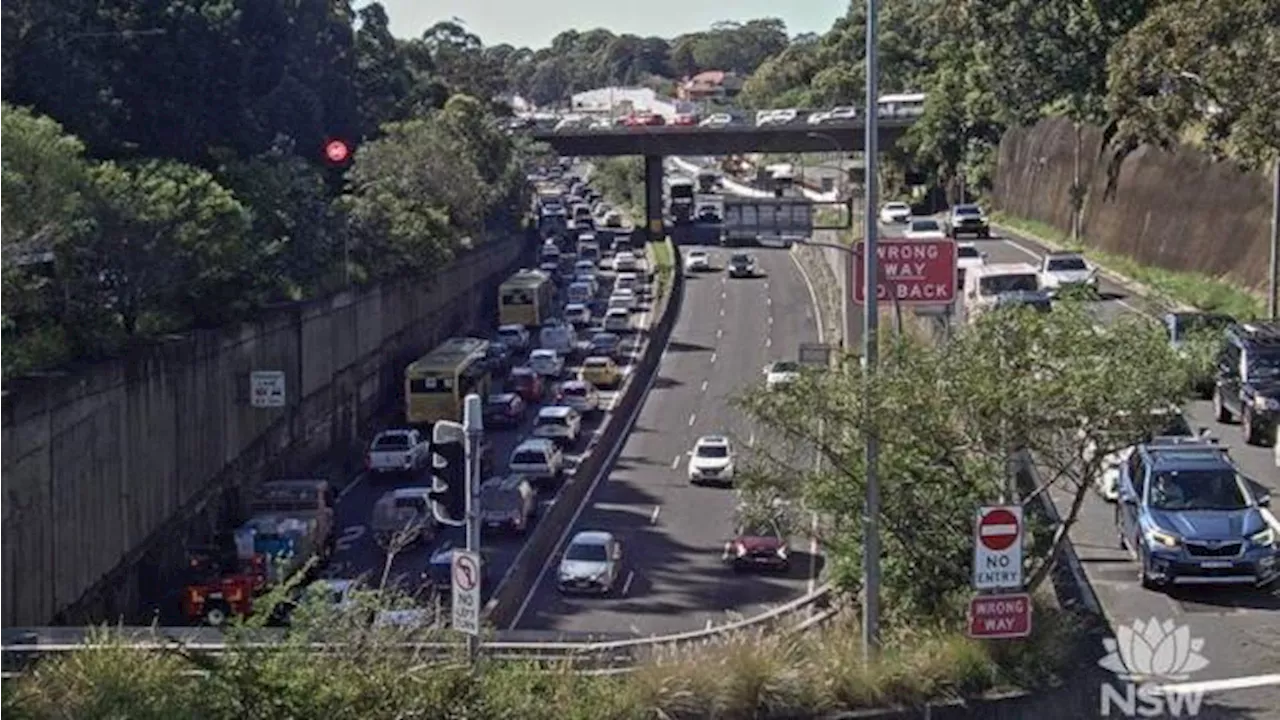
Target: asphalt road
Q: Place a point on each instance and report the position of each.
(673, 533)
(359, 556)
(1240, 627)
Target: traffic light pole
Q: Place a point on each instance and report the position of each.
(473, 425)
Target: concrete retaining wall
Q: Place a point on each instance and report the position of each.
(1180, 210)
(110, 471)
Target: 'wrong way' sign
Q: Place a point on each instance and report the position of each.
(997, 548)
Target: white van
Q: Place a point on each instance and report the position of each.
(617, 320)
(624, 261)
(558, 336)
(983, 285)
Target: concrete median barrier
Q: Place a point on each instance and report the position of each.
(511, 591)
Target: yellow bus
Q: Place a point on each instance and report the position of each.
(436, 383)
(526, 298)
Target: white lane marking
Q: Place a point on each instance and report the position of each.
(626, 586)
(1236, 683)
(350, 534)
(614, 507)
(614, 452)
(770, 319)
(721, 312)
(704, 386)
(713, 357)
(768, 301)
(352, 485)
(708, 623)
(723, 294)
(813, 294)
(751, 440)
(692, 419)
(768, 342)
(766, 286)
(675, 462)
(654, 517)
(719, 333)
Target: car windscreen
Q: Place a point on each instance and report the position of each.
(587, 552)
(553, 420)
(968, 210)
(786, 367)
(529, 457)
(1177, 490)
(967, 252)
(713, 451)
(997, 284)
(1067, 264)
(416, 504)
(925, 226)
(575, 390)
(1264, 364)
(391, 442)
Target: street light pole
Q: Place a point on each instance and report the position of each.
(1272, 299)
(870, 354)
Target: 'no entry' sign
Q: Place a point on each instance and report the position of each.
(997, 548)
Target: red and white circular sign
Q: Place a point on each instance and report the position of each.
(998, 529)
(337, 151)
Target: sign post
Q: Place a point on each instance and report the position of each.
(997, 548)
(465, 571)
(910, 272)
(266, 388)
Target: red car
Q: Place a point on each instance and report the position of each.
(526, 383)
(685, 119)
(644, 119)
(757, 552)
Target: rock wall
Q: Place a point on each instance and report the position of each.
(1179, 210)
(109, 471)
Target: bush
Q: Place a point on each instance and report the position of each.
(749, 674)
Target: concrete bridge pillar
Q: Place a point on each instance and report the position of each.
(653, 211)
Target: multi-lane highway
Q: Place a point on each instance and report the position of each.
(359, 556)
(673, 532)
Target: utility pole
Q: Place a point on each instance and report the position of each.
(473, 426)
(871, 355)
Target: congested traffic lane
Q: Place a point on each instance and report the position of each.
(674, 533)
(358, 555)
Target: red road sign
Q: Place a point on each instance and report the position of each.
(998, 529)
(465, 573)
(916, 272)
(1000, 616)
(337, 151)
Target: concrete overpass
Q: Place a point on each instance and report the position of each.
(658, 142)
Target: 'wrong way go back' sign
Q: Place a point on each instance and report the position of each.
(997, 548)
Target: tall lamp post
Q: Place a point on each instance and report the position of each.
(871, 354)
(846, 305)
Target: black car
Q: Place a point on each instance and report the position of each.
(742, 265)
(499, 358)
(1247, 386)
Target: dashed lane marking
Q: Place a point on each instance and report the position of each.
(719, 333)
(654, 517)
(693, 418)
(675, 462)
(704, 386)
(768, 342)
(713, 357)
(626, 586)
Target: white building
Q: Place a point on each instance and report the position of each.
(623, 100)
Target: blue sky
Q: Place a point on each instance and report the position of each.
(533, 23)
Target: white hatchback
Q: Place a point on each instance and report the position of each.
(617, 320)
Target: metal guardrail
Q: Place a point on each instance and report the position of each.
(594, 656)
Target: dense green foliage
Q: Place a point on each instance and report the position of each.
(577, 61)
(163, 165)
(739, 677)
(949, 416)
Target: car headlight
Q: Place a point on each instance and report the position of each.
(1160, 537)
(1264, 537)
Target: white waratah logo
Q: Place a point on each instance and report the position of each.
(1153, 650)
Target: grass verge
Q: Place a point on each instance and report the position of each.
(1190, 288)
(745, 675)
(663, 256)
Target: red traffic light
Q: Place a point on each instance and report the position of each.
(337, 152)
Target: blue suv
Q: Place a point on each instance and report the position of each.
(1191, 518)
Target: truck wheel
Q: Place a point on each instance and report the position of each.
(216, 614)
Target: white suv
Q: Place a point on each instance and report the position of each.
(711, 460)
(558, 423)
(537, 458)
